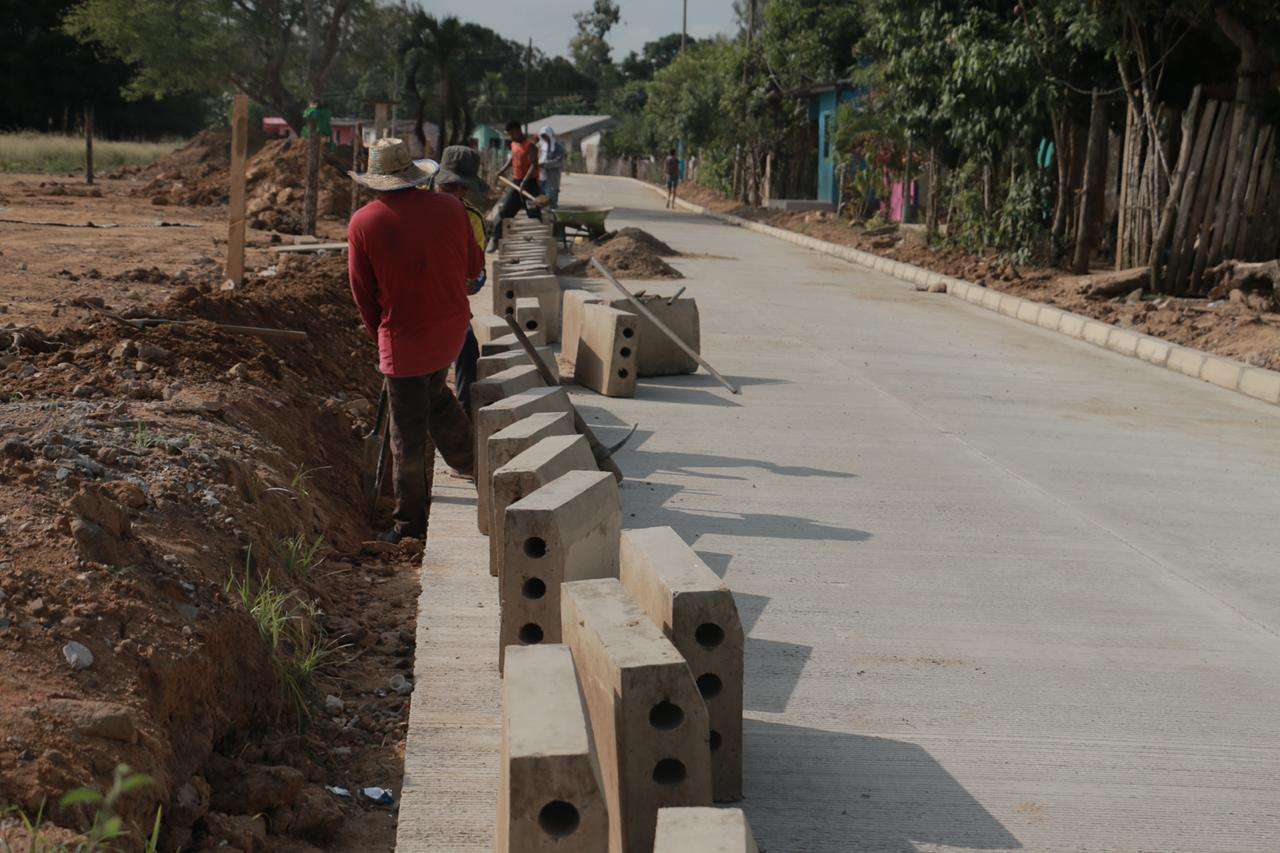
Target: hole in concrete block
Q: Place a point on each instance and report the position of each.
(623, 373)
(510, 311)
(669, 771)
(535, 547)
(511, 294)
(710, 685)
(666, 716)
(531, 325)
(558, 819)
(625, 352)
(708, 635)
(715, 740)
(530, 635)
(533, 588)
(628, 333)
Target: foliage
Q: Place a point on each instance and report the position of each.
(298, 554)
(57, 153)
(588, 47)
(106, 827)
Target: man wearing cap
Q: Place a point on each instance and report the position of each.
(410, 255)
(459, 174)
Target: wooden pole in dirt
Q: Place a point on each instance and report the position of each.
(357, 140)
(1094, 164)
(380, 112)
(239, 150)
(88, 144)
(312, 187)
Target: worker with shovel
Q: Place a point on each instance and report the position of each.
(523, 163)
(410, 256)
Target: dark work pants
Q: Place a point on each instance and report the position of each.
(464, 370)
(424, 416)
(513, 203)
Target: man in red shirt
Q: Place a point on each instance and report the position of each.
(410, 255)
(523, 163)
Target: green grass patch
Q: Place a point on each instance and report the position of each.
(28, 151)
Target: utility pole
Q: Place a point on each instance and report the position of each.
(528, 63)
(684, 26)
(88, 144)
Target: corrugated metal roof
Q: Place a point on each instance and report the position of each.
(573, 125)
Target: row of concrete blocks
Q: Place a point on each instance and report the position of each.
(524, 284)
(653, 632)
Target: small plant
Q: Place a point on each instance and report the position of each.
(299, 555)
(144, 438)
(107, 826)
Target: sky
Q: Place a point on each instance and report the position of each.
(550, 22)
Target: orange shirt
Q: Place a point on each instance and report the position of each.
(524, 160)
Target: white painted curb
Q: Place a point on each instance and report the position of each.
(1256, 382)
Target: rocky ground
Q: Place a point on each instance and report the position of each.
(1243, 326)
(186, 580)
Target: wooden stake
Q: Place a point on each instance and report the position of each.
(1094, 174)
(357, 142)
(1176, 183)
(239, 151)
(1184, 229)
(663, 327)
(88, 145)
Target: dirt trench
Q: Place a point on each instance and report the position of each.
(160, 487)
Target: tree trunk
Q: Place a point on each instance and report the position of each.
(88, 145)
(313, 179)
(1094, 168)
(931, 211)
(1062, 160)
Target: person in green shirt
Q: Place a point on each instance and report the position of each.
(323, 119)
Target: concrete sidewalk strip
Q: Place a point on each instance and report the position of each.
(703, 830)
(549, 796)
(1218, 370)
(649, 723)
(696, 611)
(564, 531)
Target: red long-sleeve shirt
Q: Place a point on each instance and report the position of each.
(410, 254)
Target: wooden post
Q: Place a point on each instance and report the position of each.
(239, 150)
(312, 186)
(768, 177)
(935, 187)
(381, 109)
(88, 144)
(1176, 182)
(1094, 166)
(357, 141)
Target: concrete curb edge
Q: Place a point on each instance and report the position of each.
(1256, 382)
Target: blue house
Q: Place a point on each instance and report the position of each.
(823, 101)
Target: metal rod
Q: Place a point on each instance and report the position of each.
(672, 300)
(663, 326)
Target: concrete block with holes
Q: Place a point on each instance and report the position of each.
(513, 380)
(696, 611)
(648, 721)
(508, 444)
(605, 360)
(541, 286)
(529, 313)
(571, 303)
(500, 415)
(488, 365)
(509, 343)
(564, 531)
(658, 355)
(540, 463)
(489, 327)
(549, 796)
(703, 830)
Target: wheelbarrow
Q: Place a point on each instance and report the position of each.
(587, 221)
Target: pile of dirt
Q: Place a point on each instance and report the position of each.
(198, 174)
(169, 498)
(629, 253)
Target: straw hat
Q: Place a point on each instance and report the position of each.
(390, 167)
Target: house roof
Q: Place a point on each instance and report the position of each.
(573, 125)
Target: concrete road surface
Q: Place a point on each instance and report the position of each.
(1003, 590)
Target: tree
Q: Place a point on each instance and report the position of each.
(654, 56)
(590, 51)
(433, 55)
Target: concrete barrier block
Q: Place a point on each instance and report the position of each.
(648, 721)
(703, 830)
(1153, 350)
(513, 380)
(488, 365)
(1096, 332)
(550, 457)
(1260, 383)
(976, 295)
(1049, 317)
(1009, 305)
(500, 415)
(607, 345)
(1123, 341)
(528, 314)
(991, 299)
(543, 287)
(489, 327)
(955, 287)
(509, 342)
(1221, 372)
(550, 796)
(1186, 361)
(697, 613)
(657, 354)
(564, 531)
(1072, 324)
(571, 319)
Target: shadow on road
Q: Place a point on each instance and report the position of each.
(815, 790)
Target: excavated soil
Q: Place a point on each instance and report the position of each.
(150, 476)
(1240, 326)
(628, 253)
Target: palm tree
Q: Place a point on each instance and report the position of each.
(433, 54)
